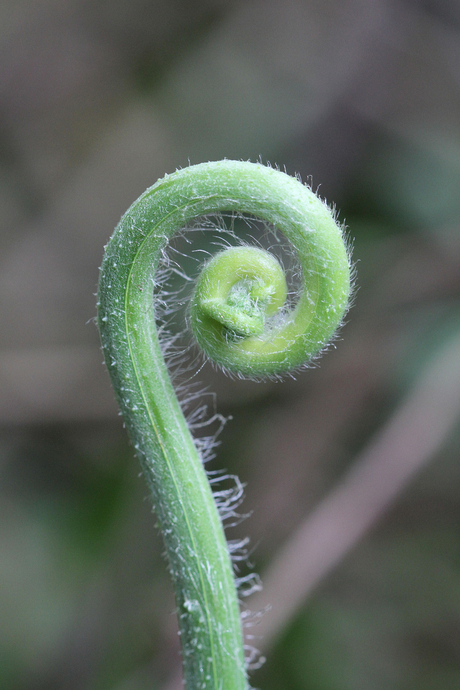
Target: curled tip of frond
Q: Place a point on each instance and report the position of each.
(254, 328)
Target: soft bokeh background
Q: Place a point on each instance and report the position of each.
(98, 100)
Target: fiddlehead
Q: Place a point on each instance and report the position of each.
(238, 317)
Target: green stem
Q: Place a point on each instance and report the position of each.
(233, 321)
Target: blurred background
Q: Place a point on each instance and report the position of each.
(352, 471)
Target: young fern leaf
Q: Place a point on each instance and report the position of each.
(238, 318)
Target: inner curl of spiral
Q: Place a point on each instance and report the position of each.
(237, 293)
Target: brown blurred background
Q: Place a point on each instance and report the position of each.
(352, 470)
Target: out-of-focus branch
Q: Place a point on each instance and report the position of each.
(410, 438)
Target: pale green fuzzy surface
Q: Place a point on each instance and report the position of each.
(199, 561)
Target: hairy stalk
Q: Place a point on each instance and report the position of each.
(238, 318)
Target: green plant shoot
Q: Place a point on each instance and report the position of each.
(239, 318)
